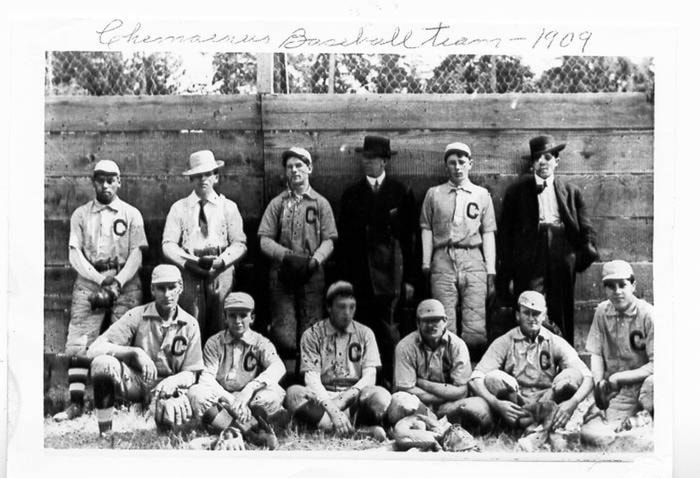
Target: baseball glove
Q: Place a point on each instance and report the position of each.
(230, 439)
(295, 269)
(173, 410)
(457, 438)
(602, 393)
(101, 299)
(414, 431)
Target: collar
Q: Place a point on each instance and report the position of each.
(247, 338)
(631, 311)
(116, 205)
(465, 186)
(193, 199)
(332, 331)
(309, 193)
(543, 335)
(539, 181)
(150, 312)
(379, 179)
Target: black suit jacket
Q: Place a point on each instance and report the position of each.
(368, 221)
(518, 228)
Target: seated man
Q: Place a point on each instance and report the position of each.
(339, 360)
(154, 348)
(529, 376)
(241, 369)
(433, 365)
(621, 343)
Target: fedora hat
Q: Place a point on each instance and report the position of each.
(376, 146)
(540, 145)
(202, 162)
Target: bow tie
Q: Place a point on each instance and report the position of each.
(540, 187)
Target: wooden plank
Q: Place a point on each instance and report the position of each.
(152, 195)
(535, 111)
(151, 152)
(151, 113)
(502, 152)
(55, 330)
(624, 195)
(617, 237)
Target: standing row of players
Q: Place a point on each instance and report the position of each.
(545, 238)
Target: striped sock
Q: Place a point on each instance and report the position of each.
(104, 402)
(78, 370)
(217, 418)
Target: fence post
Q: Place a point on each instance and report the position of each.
(331, 74)
(264, 78)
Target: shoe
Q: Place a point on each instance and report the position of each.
(73, 411)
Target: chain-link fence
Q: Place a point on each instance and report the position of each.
(116, 73)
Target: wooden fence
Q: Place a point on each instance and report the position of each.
(608, 155)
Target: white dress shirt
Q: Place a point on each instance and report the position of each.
(547, 201)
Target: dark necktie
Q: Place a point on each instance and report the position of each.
(540, 187)
(375, 187)
(203, 225)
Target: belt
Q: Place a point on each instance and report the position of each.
(551, 225)
(107, 265)
(458, 246)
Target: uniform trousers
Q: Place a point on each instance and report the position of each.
(204, 299)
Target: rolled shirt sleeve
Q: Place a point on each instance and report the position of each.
(405, 365)
(494, 358)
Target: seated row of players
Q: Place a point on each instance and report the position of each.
(527, 377)
(204, 237)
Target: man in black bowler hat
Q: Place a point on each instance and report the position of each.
(545, 236)
(377, 227)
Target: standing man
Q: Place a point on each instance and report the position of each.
(378, 221)
(154, 347)
(339, 361)
(105, 249)
(433, 364)
(459, 248)
(621, 343)
(545, 236)
(241, 368)
(204, 237)
(529, 375)
(296, 233)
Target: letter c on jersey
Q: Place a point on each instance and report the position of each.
(250, 362)
(178, 346)
(637, 341)
(472, 210)
(545, 360)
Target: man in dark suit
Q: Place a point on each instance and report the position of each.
(545, 236)
(376, 240)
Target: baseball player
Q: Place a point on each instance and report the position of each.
(339, 360)
(459, 249)
(105, 249)
(621, 343)
(242, 369)
(154, 348)
(529, 375)
(297, 232)
(433, 364)
(204, 237)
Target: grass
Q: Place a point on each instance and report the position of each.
(135, 430)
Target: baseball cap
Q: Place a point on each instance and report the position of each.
(533, 300)
(239, 300)
(165, 273)
(296, 152)
(457, 148)
(617, 270)
(106, 166)
(430, 308)
(340, 287)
